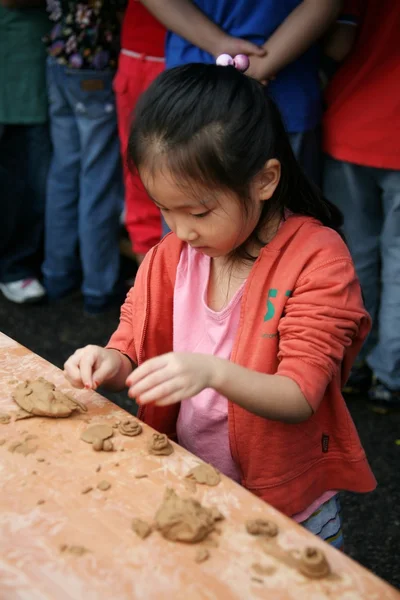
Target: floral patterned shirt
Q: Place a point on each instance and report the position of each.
(86, 33)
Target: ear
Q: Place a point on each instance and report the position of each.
(268, 179)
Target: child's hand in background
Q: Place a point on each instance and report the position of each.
(91, 366)
(171, 378)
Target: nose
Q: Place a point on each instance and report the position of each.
(185, 233)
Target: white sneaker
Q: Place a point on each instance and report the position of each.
(23, 291)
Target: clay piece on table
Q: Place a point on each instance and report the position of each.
(183, 519)
(216, 514)
(141, 528)
(104, 485)
(2, 442)
(41, 501)
(41, 398)
(5, 418)
(101, 431)
(105, 445)
(87, 489)
(22, 414)
(313, 563)
(75, 550)
(261, 527)
(202, 554)
(141, 476)
(204, 474)
(24, 448)
(263, 569)
(98, 468)
(160, 445)
(130, 427)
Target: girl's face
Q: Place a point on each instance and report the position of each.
(214, 225)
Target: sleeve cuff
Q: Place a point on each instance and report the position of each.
(312, 380)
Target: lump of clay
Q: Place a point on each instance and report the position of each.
(104, 485)
(202, 554)
(313, 563)
(130, 427)
(160, 445)
(183, 520)
(205, 474)
(4, 418)
(261, 527)
(105, 445)
(141, 528)
(94, 433)
(41, 398)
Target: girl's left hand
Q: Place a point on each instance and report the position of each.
(171, 378)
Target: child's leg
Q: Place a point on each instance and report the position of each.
(142, 217)
(326, 523)
(61, 266)
(91, 95)
(385, 357)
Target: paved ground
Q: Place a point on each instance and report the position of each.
(372, 522)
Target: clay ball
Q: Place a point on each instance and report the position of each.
(108, 446)
(98, 445)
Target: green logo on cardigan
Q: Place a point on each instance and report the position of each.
(273, 293)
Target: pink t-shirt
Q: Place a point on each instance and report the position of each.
(202, 425)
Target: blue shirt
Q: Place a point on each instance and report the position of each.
(296, 89)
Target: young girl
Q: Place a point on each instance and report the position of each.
(244, 322)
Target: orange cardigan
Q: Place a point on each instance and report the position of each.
(302, 316)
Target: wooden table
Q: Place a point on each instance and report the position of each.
(42, 509)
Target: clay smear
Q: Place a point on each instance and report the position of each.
(141, 528)
(160, 445)
(4, 418)
(204, 474)
(130, 427)
(41, 398)
(104, 485)
(25, 447)
(75, 550)
(202, 555)
(183, 520)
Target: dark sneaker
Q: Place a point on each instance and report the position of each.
(382, 399)
(360, 380)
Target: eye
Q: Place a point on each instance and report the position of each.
(202, 215)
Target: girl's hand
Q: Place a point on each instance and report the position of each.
(257, 70)
(171, 378)
(91, 366)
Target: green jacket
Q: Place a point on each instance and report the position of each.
(23, 95)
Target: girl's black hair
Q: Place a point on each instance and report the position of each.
(213, 127)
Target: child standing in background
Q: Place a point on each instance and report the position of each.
(362, 178)
(245, 321)
(140, 61)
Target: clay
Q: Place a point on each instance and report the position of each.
(216, 514)
(22, 414)
(41, 398)
(183, 520)
(141, 528)
(257, 579)
(160, 445)
(31, 437)
(4, 418)
(24, 448)
(2, 442)
(204, 474)
(98, 445)
(201, 555)
(263, 570)
(108, 446)
(41, 501)
(130, 427)
(313, 563)
(75, 550)
(34, 472)
(141, 476)
(116, 465)
(87, 489)
(101, 431)
(104, 485)
(261, 527)
(40, 459)
(98, 468)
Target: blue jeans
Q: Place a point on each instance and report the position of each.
(25, 152)
(85, 190)
(307, 148)
(370, 201)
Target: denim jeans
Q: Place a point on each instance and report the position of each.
(25, 152)
(85, 190)
(370, 201)
(306, 146)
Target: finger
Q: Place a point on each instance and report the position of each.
(73, 375)
(160, 392)
(100, 374)
(86, 368)
(146, 369)
(172, 399)
(150, 382)
(252, 49)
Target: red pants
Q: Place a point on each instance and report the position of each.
(142, 217)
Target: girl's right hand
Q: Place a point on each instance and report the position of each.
(92, 366)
